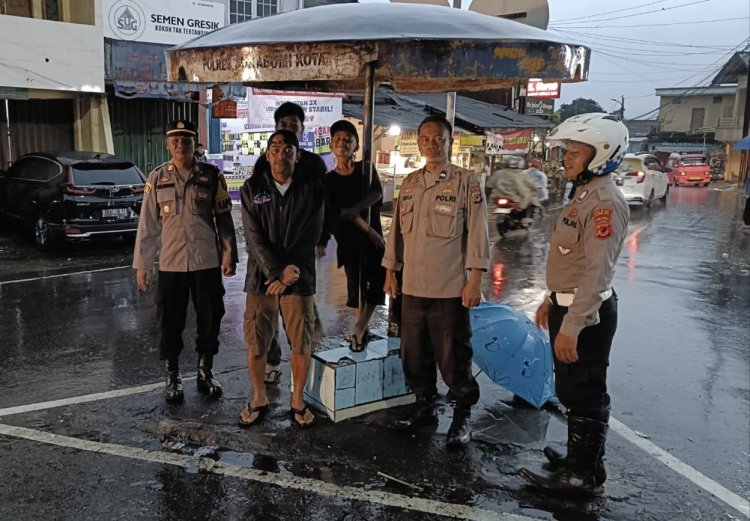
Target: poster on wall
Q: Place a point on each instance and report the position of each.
(161, 21)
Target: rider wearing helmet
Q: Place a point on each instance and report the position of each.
(511, 182)
(580, 309)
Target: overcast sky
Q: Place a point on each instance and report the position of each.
(640, 45)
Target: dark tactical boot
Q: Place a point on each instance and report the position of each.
(459, 433)
(207, 383)
(586, 440)
(557, 460)
(421, 413)
(173, 392)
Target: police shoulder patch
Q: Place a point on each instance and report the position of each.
(602, 222)
(147, 188)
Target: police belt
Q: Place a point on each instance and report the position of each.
(565, 298)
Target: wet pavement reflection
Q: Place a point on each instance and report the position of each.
(680, 377)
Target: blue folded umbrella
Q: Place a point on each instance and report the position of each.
(513, 352)
(742, 144)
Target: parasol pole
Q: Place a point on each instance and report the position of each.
(450, 98)
(368, 122)
(7, 128)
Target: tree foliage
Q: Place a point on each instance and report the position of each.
(579, 106)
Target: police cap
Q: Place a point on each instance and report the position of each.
(181, 127)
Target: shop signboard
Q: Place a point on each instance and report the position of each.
(321, 109)
(225, 108)
(536, 88)
(408, 143)
(161, 21)
(540, 107)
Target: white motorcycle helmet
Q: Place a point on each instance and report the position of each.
(606, 134)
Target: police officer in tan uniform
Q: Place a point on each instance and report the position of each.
(186, 213)
(581, 307)
(438, 236)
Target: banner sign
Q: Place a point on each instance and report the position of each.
(536, 88)
(161, 21)
(321, 110)
(508, 142)
(408, 143)
(540, 107)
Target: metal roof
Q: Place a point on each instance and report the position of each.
(479, 113)
(472, 116)
(710, 90)
(735, 67)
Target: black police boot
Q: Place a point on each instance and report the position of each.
(421, 413)
(173, 392)
(557, 460)
(207, 383)
(586, 440)
(459, 433)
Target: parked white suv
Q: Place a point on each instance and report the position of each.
(641, 178)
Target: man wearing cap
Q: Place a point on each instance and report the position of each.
(438, 237)
(186, 214)
(290, 116)
(282, 214)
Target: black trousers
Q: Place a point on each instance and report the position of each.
(437, 330)
(207, 292)
(582, 386)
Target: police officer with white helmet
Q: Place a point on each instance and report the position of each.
(580, 308)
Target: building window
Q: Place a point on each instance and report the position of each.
(51, 10)
(242, 10)
(267, 7)
(697, 117)
(717, 99)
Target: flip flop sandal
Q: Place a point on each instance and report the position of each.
(272, 377)
(261, 411)
(356, 346)
(301, 413)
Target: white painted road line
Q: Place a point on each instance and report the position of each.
(18, 281)
(312, 486)
(83, 399)
(727, 496)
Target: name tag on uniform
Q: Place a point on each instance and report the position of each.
(444, 209)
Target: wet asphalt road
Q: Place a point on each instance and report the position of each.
(679, 378)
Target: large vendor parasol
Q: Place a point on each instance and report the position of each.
(353, 47)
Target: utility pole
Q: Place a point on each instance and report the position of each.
(621, 101)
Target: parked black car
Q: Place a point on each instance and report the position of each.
(72, 195)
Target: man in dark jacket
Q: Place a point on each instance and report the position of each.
(290, 116)
(282, 213)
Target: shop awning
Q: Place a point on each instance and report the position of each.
(472, 116)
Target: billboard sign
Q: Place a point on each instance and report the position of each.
(161, 21)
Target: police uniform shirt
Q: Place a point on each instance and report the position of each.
(184, 211)
(584, 248)
(439, 231)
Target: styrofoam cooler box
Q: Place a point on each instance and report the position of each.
(344, 384)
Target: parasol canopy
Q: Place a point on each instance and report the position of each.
(415, 48)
